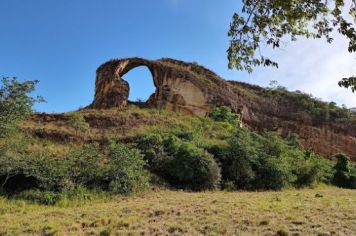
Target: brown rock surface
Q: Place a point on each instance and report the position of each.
(192, 89)
(182, 87)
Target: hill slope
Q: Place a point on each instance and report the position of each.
(189, 88)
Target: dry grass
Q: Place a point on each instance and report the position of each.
(322, 211)
(129, 124)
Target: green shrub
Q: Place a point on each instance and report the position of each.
(253, 161)
(192, 168)
(180, 162)
(37, 196)
(21, 171)
(86, 166)
(344, 175)
(311, 169)
(76, 196)
(225, 114)
(77, 121)
(126, 170)
(154, 151)
(119, 169)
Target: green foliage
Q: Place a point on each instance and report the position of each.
(126, 170)
(118, 169)
(345, 172)
(320, 111)
(224, 114)
(15, 103)
(180, 162)
(348, 83)
(71, 197)
(267, 21)
(77, 121)
(41, 197)
(86, 166)
(253, 161)
(192, 168)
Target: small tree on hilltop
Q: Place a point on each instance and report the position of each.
(225, 114)
(78, 123)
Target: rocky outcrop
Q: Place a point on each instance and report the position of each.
(181, 87)
(192, 89)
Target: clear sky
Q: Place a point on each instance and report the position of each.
(61, 43)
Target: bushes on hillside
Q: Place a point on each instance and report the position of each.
(118, 169)
(252, 161)
(126, 169)
(345, 172)
(181, 163)
(249, 161)
(318, 110)
(225, 114)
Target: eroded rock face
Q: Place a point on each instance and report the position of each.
(192, 89)
(181, 87)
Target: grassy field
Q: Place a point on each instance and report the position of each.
(321, 211)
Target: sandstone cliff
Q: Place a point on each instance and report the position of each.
(192, 89)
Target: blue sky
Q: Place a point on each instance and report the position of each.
(61, 43)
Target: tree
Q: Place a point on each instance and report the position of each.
(15, 103)
(344, 175)
(78, 123)
(270, 21)
(225, 114)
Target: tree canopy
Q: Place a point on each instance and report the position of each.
(268, 22)
(15, 103)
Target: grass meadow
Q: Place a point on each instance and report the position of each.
(320, 211)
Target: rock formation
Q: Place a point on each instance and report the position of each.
(181, 87)
(192, 89)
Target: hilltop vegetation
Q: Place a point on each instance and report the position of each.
(300, 104)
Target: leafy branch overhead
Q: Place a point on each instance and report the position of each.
(268, 22)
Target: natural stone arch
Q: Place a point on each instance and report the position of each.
(110, 89)
(141, 85)
(182, 87)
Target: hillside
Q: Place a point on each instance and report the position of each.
(177, 165)
(124, 125)
(191, 89)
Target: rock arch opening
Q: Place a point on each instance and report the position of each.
(141, 85)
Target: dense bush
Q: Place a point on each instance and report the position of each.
(180, 162)
(225, 114)
(192, 168)
(118, 169)
(252, 161)
(126, 169)
(345, 172)
(319, 111)
(248, 161)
